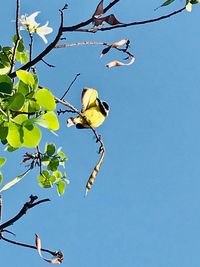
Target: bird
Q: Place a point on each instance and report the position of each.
(93, 109)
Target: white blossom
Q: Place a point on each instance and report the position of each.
(29, 24)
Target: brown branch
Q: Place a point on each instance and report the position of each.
(81, 43)
(53, 253)
(18, 37)
(87, 22)
(94, 30)
(28, 205)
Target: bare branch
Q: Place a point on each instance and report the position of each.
(58, 254)
(57, 38)
(78, 74)
(49, 65)
(28, 205)
(124, 25)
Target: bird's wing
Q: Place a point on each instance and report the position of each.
(88, 98)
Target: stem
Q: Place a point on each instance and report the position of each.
(18, 36)
(22, 212)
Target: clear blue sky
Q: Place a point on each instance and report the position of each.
(144, 208)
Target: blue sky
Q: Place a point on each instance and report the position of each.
(144, 208)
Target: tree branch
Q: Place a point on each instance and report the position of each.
(124, 25)
(17, 35)
(78, 74)
(28, 205)
(57, 38)
(53, 253)
(44, 52)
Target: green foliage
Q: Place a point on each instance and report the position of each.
(24, 108)
(52, 160)
(6, 85)
(5, 59)
(42, 96)
(25, 77)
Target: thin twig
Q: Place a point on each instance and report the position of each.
(87, 22)
(28, 205)
(17, 35)
(94, 30)
(80, 43)
(60, 111)
(70, 86)
(53, 253)
(49, 65)
(38, 156)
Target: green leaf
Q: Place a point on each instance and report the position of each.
(23, 88)
(4, 69)
(15, 135)
(53, 164)
(9, 148)
(2, 162)
(166, 3)
(3, 132)
(45, 179)
(61, 154)
(58, 174)
(24, 57)
(25, 77)
(45, 99)
(50, 149)
(31, 136)
(16, 101)
(21, 118)
(6, 84)
(49, 120)
(61, 187)
(46, 174)
(14, 181)
(33, 106)
(52, 179)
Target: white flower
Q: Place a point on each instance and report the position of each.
(189, 7)
(44, 30)
(189, 4)
(29, 24)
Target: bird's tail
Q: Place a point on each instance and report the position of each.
(70, 122)
(74, 121)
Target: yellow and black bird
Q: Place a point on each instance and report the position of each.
(94, 110)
